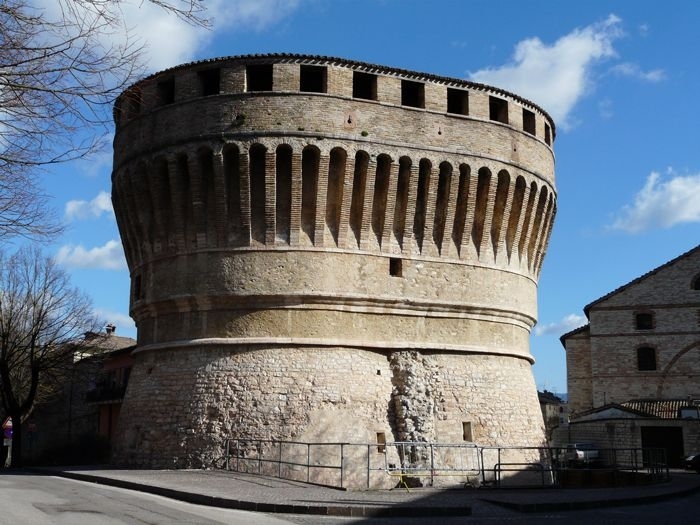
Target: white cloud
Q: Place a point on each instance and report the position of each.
(79, 209)
(605, 108)
(107, 257)
(251, 14)
(628, 69)
(662, 203)
(171, 41)
(559, 75)
(568, 323)
(124, 323)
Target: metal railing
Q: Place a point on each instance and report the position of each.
(404, 464)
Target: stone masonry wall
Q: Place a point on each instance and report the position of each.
(324, 250)
(194, 399)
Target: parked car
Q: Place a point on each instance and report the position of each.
(692, 462)
(581, 454)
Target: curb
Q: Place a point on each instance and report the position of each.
(592, 504)
(359, 511)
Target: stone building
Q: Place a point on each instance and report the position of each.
(554, 411)
(325, 250)
(69, 425)
(633, 371)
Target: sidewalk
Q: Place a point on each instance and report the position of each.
(263, 494)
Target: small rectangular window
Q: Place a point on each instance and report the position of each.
(646, 359)
(312, 79)
(644, 321)
(258, 77)
(457, 101)
(547, 135)
(467, 431)
(498, 109)
(210, 82)
(412, 94)
(381, 442)
(529, 122)
(364, 85)
(396, 267)
(166, 91)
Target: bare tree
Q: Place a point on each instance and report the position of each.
(42, 321)
(58, 80)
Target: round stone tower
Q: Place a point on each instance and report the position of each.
(325, 250)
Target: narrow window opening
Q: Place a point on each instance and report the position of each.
(166, 91)
(457, 101)
(258, 77)
(210, 81)
(381, 442)
(696, 284)
(412, 94)
(364, 85)
(396, 267)
(498, 109)
(312, 79)
(547, 135)
(467, 431)
(644, 321)
(646, 359)
(529, 122)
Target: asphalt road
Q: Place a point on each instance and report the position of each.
(27, 499)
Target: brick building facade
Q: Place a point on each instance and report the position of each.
(636, 364)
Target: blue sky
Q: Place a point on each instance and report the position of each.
(621, 80)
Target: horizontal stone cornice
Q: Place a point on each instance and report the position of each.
(299, 342)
